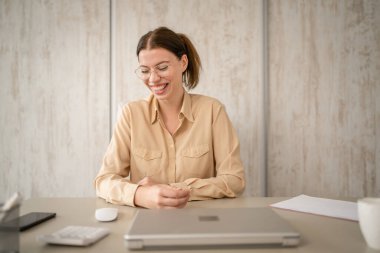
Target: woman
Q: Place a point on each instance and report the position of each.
(175, 146)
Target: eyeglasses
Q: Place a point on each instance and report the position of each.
(161, 70)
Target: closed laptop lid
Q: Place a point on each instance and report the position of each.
(209, 227)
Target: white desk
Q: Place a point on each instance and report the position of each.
(318, 234)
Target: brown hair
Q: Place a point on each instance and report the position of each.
(177, 43)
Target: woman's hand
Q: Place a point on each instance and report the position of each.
(150, 194)
(147, 181)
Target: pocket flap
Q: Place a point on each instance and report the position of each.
(147, 154)
(196, 151)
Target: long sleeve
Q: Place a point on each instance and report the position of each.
(111, 182)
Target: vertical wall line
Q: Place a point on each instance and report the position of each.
(112, 88)
(265, 117)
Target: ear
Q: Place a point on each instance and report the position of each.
(184, 61)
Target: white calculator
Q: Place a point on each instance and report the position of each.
(75, 236)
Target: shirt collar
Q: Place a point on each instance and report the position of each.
(153, 108)
(185, 109)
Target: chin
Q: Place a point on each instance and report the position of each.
(165, 95)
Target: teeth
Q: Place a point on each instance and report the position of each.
(158, 88)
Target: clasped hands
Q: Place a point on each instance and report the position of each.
(151, 194)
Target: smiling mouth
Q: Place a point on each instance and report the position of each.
(159, 89)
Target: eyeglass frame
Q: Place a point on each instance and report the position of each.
(154, 69)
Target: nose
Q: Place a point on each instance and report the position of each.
(154, 77)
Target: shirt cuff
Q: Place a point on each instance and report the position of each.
(129, 194)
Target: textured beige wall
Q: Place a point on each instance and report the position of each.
(54, 95)
(324, 65)
(58, 87)
(228, 37)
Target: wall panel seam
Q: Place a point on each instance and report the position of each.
(265, 102)
(112, 66)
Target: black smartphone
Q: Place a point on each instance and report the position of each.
(28, 220)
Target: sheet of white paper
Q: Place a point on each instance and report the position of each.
(321, 206)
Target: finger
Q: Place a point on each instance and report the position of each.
(173, 202)
(184, 204)
(171, 192)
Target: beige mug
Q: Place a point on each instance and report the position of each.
(369, 221)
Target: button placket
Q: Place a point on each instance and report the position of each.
(172, 158)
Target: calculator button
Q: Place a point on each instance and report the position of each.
(75, 235)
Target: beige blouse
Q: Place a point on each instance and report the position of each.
(202, 155)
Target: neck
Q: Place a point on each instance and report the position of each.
(172, 106)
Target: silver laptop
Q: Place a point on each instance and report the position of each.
(209, 227)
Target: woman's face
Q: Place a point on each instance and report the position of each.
(161, 71)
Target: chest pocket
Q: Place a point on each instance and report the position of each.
(195, 152)
(197, 162)
(148, 161)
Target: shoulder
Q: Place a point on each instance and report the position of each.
(139, 105)
(205, 107)
(202, 101)
(138, 110)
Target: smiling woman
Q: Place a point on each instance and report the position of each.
(175, 146)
